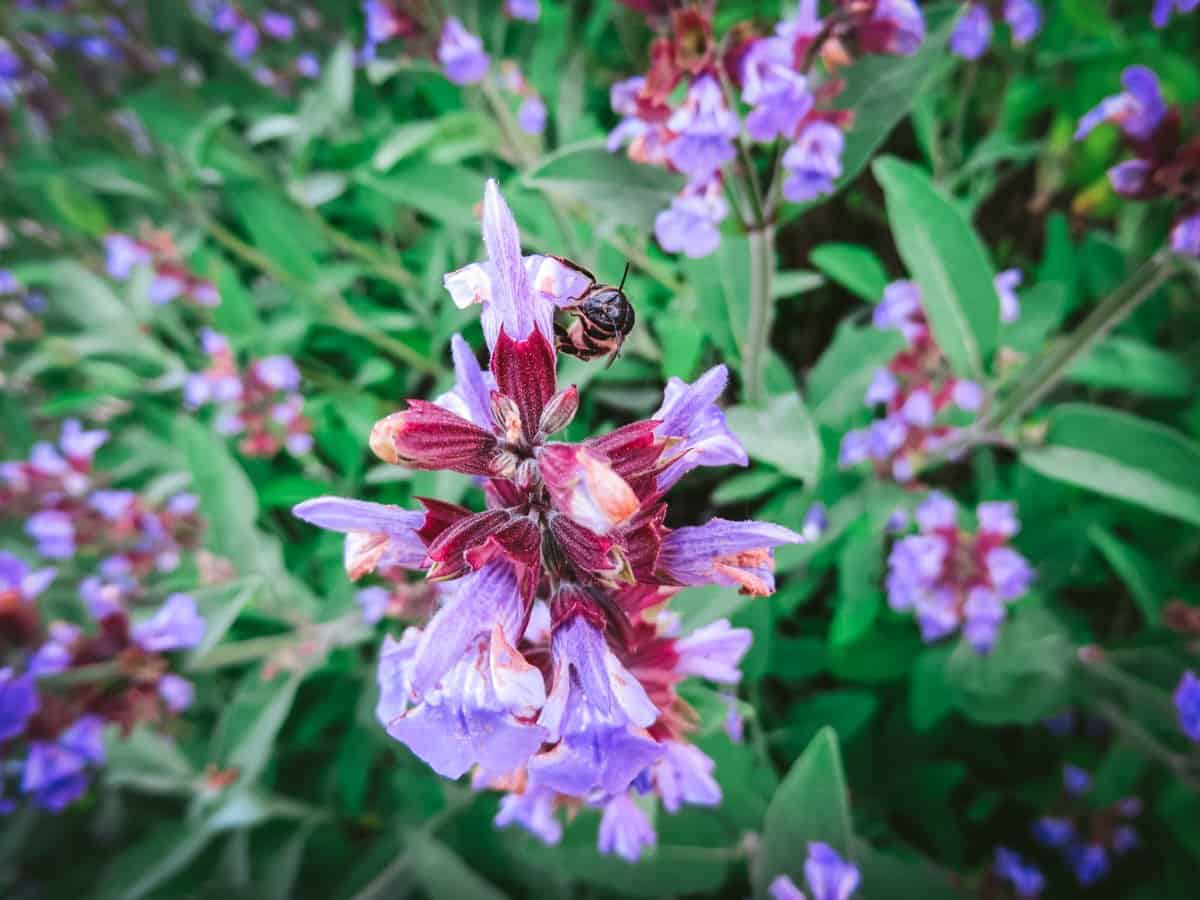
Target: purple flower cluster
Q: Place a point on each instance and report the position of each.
(59, 729)
(266, 41)
(973, 32)
(1187, 705)
(1164, 164)
(261, 403)
(829, 877)
(950, 578)
(549, 668)
(123, 256)
(698, 134)
(1025, 879)
(916, 388)
(461, 53)
(1161, 14)
(1088, 839)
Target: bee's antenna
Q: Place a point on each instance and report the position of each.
(624, 275)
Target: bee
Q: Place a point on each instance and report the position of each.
(602, 318)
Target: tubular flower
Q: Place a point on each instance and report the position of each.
(695, 131)
(545, 669)
(952, 579)
(1166, 160)
(262, 403)
(915, 389)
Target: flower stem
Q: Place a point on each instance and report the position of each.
(1046, 373)
(525, 159)
(758, 329)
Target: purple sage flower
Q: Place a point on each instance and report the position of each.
(531, 115)
(18, 703)
(778, 94)
(1026, 880)
(277, 25)
(972, 32)
(526, 10)
(461, 54)
(177, 625)
(1161, 14)
(176, 692)
(692, 223)
(1187, 705)
(56, 772)
(1006, 284)
(705, 129)
(624, 829)
(1138, 109)
(1024, 17)
(1185, 235)
(813, 162)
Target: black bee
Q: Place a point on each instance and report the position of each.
(602, 317)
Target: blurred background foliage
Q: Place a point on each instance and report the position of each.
(326, 211)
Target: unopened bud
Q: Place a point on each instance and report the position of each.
(507, 417)
(559, 411)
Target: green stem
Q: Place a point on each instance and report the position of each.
(526, 158)
(339, 310)
(758, 329)
(1046, 373)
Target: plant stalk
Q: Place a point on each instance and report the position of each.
(758, 329)
(1045, 374)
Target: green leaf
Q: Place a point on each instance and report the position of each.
(76, 206)
(930, 697)
(846, 711)
(860, 574)
(838, 382)
(244, 738)
(889, 877)
(783, 434)
(403, 142)
(1127, 364)
(1121, 455)
(854, 267)
(145, 866)
(1141, 574)
(1025, 676)
(948, 260)
(613, 185)
(279, 230)
(148, 762)
(812, 804)
(721, 285)
(442, 873)
(220, 606)
(794, 282)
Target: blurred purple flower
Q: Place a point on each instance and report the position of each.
(461, 54)
(177, 625)
(1138, 109)
(1161, 14)
(531, 115)
(527, 10)
(624, 829)
(18, 702)
(1006, 284)
(1024, 17)
(1185, 235)
(1026, 880)
(56, 771)
(692, 223)
(972, 32)
(813, 162)
(705, 129)
(1187, 705)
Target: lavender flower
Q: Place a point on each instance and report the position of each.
(1026, 880)
(1161, 14)
(828, 875)
(624, 829)
(1138, 110)
(777, 92)
(1006, 284)
(1185, 235)
(55, 772)
(18, 702)
(952, 579)
(972, 32)
(528, 10)
(176, 626)
(531, 115)
(705, 129)
(461, 54)
(813, 162)
(277, 25)
(19, 582)
(1024, 17)
(1187, 705)
(54, 533)
(176, 692)
(692, 224)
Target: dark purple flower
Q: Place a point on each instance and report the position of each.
(1090, 862)
(1077, 781)
(18, 702)
(1026, 880)
(704, 129)
(308, 65)
(1187, 705)
(625, 830)
(895, 26)
(813, 162)
(1051, 831)
(1138, 109)
(972, 32)
(122, 254)
(461, 54)
(177, 625)
(54, 533)
(244, 42)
